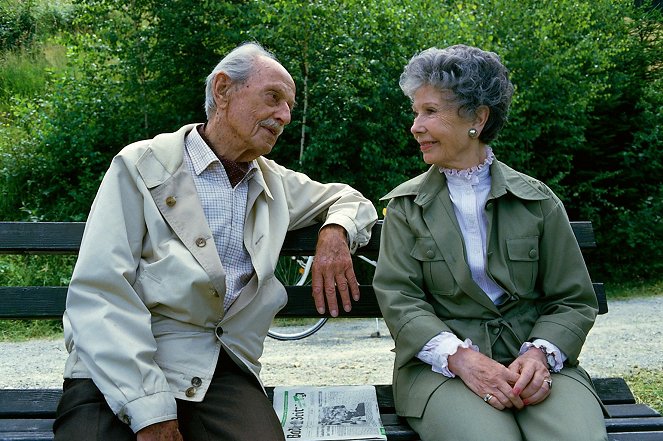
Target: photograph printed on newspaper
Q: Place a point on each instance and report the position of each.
(327, 413)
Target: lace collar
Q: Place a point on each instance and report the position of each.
(473, 174)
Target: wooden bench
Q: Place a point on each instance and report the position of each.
(27, 414)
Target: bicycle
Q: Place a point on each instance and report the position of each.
(305, 264)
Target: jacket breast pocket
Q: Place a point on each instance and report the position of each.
(436, 272)
(523, 262)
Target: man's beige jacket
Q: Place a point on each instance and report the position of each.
(144, 316)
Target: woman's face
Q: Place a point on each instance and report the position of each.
(441, 132)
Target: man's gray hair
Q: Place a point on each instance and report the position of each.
(238, 65)
(474, 76)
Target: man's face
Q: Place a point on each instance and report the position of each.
(257, 110)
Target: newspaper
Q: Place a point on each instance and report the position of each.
(326, 413)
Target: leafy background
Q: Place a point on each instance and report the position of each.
(81, 79)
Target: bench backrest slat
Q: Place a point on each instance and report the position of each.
(40, 237)
(65, 237)
(46, 302)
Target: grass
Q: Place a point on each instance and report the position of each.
(623, 291)
(647, 386)
(25, 72)
(24, 330)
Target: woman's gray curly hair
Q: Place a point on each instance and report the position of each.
(238, 65)
(476, 78)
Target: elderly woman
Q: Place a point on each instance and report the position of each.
(480, 279)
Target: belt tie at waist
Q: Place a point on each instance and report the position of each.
(493, 331)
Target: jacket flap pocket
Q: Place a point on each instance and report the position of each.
(524, 249)
(426, 250)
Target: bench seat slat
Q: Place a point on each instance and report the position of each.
(613, 390)
(636, 436)
(21, 403)
(630, 411)
(638, 424)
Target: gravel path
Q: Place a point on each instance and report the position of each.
(630, 336)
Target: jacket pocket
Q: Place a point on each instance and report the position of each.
(523, 263)
(436, 272)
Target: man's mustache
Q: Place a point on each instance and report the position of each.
(273, 125)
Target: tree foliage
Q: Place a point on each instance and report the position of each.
(585, 117)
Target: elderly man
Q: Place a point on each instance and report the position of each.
(174, 288)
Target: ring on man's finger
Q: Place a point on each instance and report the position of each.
(487, 397)
(549, 381)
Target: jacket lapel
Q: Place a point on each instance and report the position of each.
(177, 199)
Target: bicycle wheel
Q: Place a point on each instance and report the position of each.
(289, 336)
(304, 269)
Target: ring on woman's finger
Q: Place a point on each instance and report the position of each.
(487, 397)
(549, 381)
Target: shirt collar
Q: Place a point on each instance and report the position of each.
(202, 155)
(479, 174)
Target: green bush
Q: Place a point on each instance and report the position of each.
(24, 22)
(585, 118)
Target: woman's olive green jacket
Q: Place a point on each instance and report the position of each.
(424, 285)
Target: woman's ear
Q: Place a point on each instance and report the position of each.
(482, 114)
(221, 87)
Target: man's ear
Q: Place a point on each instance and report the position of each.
(221, 89)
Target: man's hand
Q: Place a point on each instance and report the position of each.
(332, 270)
(164, 431)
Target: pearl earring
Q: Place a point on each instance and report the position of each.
(472, 133)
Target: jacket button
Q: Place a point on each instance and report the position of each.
(196, 382)
(201, 242)
(218, 331)
(430, 254)
(532, 254)
(190, 392)
(171, 201)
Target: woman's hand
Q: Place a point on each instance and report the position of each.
(487, 378)
(533, 386)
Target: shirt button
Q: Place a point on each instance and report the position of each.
(218, 331)
(201, 242)
(190, 392)
(430, 254)
(532, 254)
(196, 382)
(171, 201)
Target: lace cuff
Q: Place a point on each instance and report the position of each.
(438, 349)
(554, 356)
